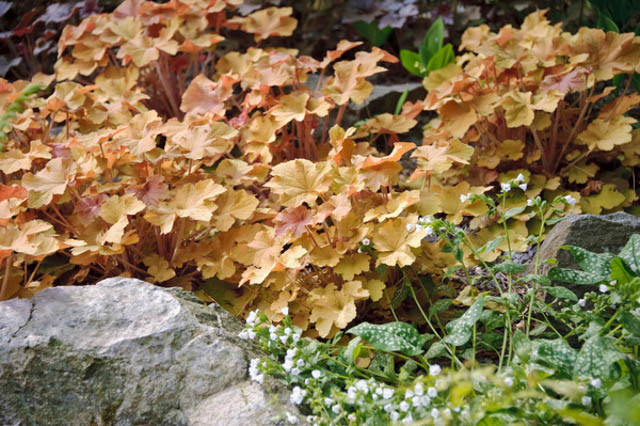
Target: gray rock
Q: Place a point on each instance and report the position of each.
(599, 234)
(127, 352)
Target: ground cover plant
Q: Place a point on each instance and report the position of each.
(155, 151)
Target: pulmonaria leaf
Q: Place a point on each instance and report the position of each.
(555, 354)
(630, 253)
(596, 267)
(459, 331)
(391, 337)
(596, 357)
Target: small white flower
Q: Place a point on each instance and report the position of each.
(293, 420)
(251, 318)
(284, 338)
(273, 328)
(388, 408)
(570, 200)
(375, 397)
(596, 383)
(508, 381)
(404, 406)
(464, 198)
(638, 311)
(586, 400)
(287, 365)
(582, 303)
(285, 311)
(407, 420)
(311, 419)
(295, 337)
(434, 370)
(359, 250)
(291, 353)
(519, 178)
(328, 401)
(410, 227)
(366, 242)
(456, 409)
(316, 374)
(523, 186)
(273, 336)
(435, 413)
(394, 416)
(387, 393)
(529, 203)
(429, 230)
(613, 283)
(336, 408)
(300, 363)
(295, 371)
(352, 417)
(432, 392)
(416, 401)
(425, 400)
(408, 394)
(426, 219)
(418, 389)
(287, 331)
(505, 187)
(362, 386)
(603, 288)
(297, 395)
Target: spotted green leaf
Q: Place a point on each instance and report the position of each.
(394, 336)
(562, 293)
(556, 354)
(596, 357)
(595, 267)
(631, 253)
(459, 330)
(621, 272)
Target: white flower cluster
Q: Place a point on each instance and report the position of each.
(291, 364)
(297, 395)
(255, 375)
(249, 333)
(518, 182)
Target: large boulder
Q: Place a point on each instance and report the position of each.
(599, 234)
(126, 352)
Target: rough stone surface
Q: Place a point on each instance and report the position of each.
(126, 352)
(599, 234)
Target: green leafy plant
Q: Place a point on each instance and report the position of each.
(431, 55)
(375, 35)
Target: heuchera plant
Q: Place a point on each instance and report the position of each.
(240, 176)
(535, 101)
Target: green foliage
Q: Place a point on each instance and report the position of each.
(375, 35)
(431, 55)
(393, 336)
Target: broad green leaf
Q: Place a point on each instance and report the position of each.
(595, 267)
(631, 323)
(620, 271)
(436, 350)
(369, 30)
(459, 330)
(442, 58)
(432, 42)
(562, 293)
(439, 306)
(510, 267)
(514, 211)
(393, 336)
(411, 62)
(630, 253)
(607, 24)
(491, 245)
(556, 354)
(522, 345)
(574, 276)
(595, 358)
